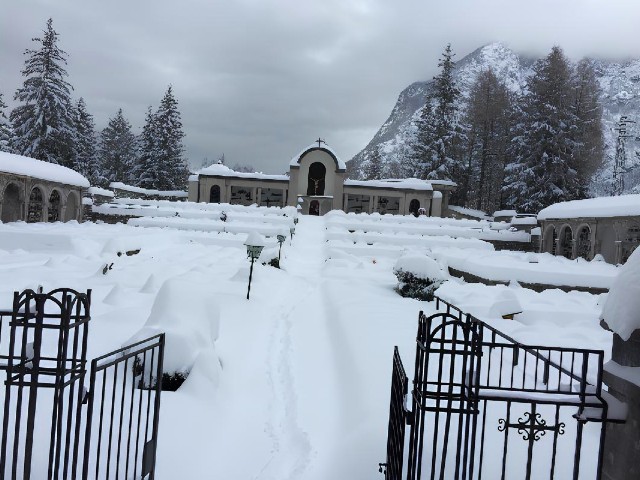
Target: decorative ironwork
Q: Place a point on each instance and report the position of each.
(531, 427)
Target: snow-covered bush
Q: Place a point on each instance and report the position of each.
(418, 276)
(269, 256)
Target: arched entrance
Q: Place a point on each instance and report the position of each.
(214, 194)
(35, 206)
(11, 208)
(54, 207)
(314, 207)
(566, 242)
(316, 181)
(71, 213)
(550, 240)
(414, 206)
(584, 242)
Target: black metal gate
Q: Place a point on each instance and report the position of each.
(487, 406)
(52, 426)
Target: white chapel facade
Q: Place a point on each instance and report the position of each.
(317, 182)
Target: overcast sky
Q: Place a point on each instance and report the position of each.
(261, 79)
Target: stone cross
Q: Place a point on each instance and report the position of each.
(320, 141)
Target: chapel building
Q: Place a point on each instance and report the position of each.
(317, 182)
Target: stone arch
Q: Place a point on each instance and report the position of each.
(214, 194)
(54, 209)
(566, 242)
(35, 207)
(316, 179)
(414, 207)
(11, 204)
(549, 241)
(583, 242)
(339, 168)
(71, 210)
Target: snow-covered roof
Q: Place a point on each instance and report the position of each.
(444, 183)
(20, 165)
(504, 213)
(621, 206)
(397, 184)
(147, 191)
(100, 191)
(294, 161)
(220, 170)
(524, 221)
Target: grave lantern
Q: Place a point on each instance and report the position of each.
(292, 231)
(254, 244)
(281, 238)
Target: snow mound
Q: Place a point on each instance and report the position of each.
(505, 303)
(621, 309)
(420, 266)
(190, 327)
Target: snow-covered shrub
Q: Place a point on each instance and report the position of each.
(418, 276)
(269, 256)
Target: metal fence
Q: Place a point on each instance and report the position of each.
(52, 425)
(487, 406)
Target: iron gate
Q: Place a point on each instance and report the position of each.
(486, 406)
(52, 426)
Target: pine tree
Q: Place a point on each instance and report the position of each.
(171, 163)
(43, 124)
(436, 152)
(85, 159)
(373, 168)
(147, 171)
(117, 151)
(545, 139)
(6, 132)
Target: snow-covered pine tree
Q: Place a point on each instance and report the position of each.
(148, 170)
(117, 151)
(545, 139)
(170, 160)
(436, 153)
(373, 168)
(86, 159)
(6, 132)
(43, 123)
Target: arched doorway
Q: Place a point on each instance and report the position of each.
(314, 207)
(54, 207)
(316, 181)
(566, 242)
(584, 242)
(414, 206)
(11, 208)
(35, 206)
(214, 194)
(71, 213)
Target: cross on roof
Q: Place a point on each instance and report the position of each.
(319, 140)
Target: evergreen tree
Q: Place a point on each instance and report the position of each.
(117, 151)
(436, 152)
(171, 163)
(6, 132)
(545, 139)
(147, 171)
(85, 159)
(43, 124)
(373, 168)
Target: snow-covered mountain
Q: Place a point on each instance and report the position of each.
(620, 83)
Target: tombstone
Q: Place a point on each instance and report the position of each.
(621, 314)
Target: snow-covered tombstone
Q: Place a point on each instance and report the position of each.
(621, 314)
(43, 121)
(418, 276)
(505, 305)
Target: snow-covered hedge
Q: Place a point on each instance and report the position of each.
(418, 276)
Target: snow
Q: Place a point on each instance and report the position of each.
(254, 239)
(470, 212)
(420, 266)
(147, 191)
(19, 165)
(399, 184)
(220, 170)
(504, 213)
(621, 310)
(294, 161)
(293, 383)
(524, 221)
(505, 303)
(630, 374)
(100, 191)
(620, 206)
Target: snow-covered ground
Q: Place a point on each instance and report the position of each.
(295, 385)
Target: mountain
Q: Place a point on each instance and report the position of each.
(620, 83)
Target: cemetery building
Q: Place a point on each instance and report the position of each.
(36, 191)
(607, 226)
(317, 181)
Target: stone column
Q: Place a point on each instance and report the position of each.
(621, 459)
